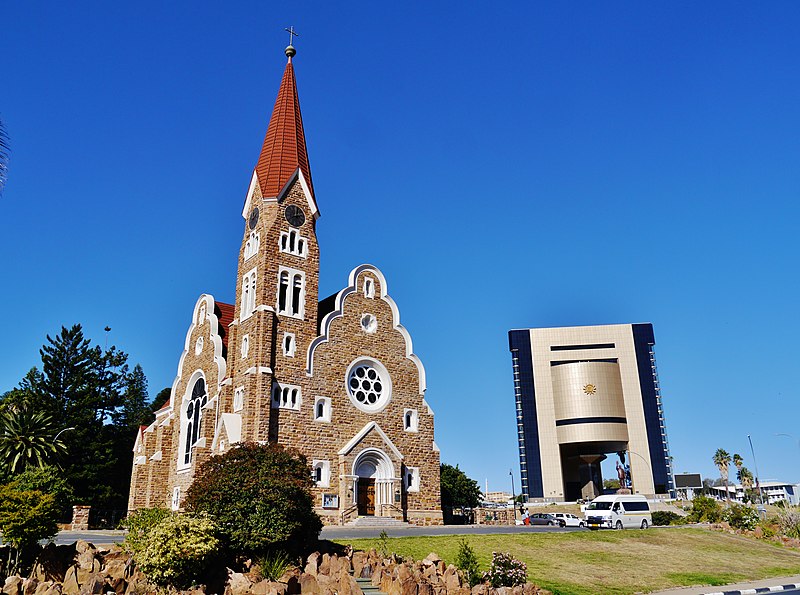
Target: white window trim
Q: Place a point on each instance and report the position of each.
(293, 273)
(176, 498)
(285, 238)
(238, 399)
(245, 349)
(325, 479)
(369, 287)
(252, 245)
(386, 382)
(414, 425)
(249, 287)
(281, 396)
(368, 323)
(413, 474)
(326, 409)
(293, 349)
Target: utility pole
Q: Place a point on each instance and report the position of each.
(758, 483)
(513, 496)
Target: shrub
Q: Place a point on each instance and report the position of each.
(260, 498)
(467, 563)
(506, 571)
(175, 550)
(26, 517)
(789, 522)
(139, 523)
(705, 510)
(272, 566)
(739, 516)
(48, 480)
(666, 517)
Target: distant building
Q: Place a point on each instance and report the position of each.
(498, 497)
(773, 492)
(583, 393)
(688, 485)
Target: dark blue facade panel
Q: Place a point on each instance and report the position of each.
(644, 339)
(530, 456)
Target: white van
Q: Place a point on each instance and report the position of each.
(618, 511)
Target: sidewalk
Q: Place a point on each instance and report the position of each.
(775, 583)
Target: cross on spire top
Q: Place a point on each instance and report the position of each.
(290, 51)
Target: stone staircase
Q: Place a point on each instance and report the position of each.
(375, 522)
(368, 588)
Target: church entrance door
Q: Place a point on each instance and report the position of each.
(366, 496)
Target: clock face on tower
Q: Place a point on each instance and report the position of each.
(294, 215)
(253, 218)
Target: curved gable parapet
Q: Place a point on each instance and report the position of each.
(337, 312)
(203, 312)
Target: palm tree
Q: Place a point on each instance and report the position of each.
(28, 438)
(745, 477)
(723, 460)
(738, 461)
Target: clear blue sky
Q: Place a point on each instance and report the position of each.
(527, 164)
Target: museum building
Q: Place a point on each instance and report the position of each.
(583, 393)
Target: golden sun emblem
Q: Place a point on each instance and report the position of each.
(590, 389)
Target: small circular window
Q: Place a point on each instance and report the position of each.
(368, 385)
(369, 324)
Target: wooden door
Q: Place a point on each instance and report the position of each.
(366, 496)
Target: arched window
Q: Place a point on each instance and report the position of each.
(292, 242)
(193, 416)
(297, 291)
(283, 290)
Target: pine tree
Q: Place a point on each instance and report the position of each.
(135, 409)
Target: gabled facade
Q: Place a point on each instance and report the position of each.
(336, 379)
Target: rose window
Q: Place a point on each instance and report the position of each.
(368, 385)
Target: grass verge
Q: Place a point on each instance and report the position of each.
(616, 562)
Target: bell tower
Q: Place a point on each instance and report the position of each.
(278, 275)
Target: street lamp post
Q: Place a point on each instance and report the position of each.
(633, 452)
(59, 434)
(758, 483)
(513, 494)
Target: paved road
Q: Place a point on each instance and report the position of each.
(101, 537)
(372, 532)
(768, 585)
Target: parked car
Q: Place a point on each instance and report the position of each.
(570, 520)
(545, 518)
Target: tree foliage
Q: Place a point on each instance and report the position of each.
(259, 496)
(705, 510)
(26, 517)
(94, 404)
(457, 489)
(48, 480)
(722, 460)
(27, 439)
(176, 550)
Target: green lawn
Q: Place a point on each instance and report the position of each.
(617, 562)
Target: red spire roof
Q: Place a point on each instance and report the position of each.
(284, 147)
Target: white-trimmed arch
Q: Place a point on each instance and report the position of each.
(338, 313)
(204, 303)
(373, 463)
(182, 420)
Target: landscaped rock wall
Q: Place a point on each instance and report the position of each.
(82, 569)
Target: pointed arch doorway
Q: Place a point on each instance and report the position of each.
(374, 479)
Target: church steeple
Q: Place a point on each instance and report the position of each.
(284, 149)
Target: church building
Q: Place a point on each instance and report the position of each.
(335, 378)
